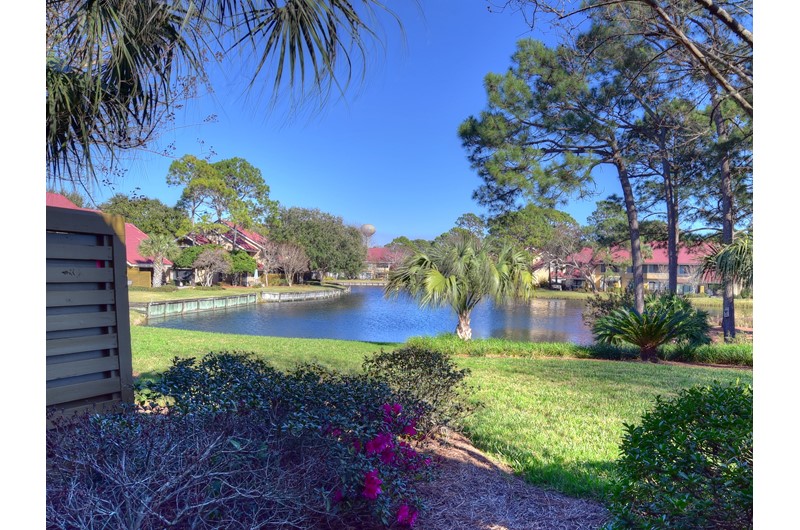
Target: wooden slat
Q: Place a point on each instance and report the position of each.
(79, 252)
(66, 413)
(81, 344)
(61, 274)
(81, 320)
(67, 393)
(76, 298)
(76, 368)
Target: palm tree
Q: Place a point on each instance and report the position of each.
(666, 318)
(115, 68)
(460, 272)
(159, 247)
(731, 263)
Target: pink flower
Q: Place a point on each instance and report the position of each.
(372, 485)
(380, 443)
(336, 433)
(387, 456)
(411, 428)
(402, 514)
(397, 408)
(407, 516)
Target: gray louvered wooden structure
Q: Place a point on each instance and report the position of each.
(88, 329)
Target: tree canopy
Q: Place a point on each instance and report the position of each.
(117, 69)
(331, 245)
(149, 215)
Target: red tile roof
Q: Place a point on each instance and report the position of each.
(377, 254)
(133, 235)
(686, 255)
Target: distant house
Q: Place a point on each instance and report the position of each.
(381, 261)
(140, 268)
(234, 238)
(608, 270)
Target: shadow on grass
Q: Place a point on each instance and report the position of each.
(472, 491)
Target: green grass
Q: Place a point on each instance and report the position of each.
(557, 422)
(154, 349)
(740, 354)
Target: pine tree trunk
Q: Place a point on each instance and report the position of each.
(633, 227)
(671, 200)
(726, 203)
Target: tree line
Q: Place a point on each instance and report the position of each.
(657, 92)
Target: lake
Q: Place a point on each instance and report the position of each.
(365, 315)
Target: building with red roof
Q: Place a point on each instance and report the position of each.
(381, 261)
(140, 268)
(234, 238)
(603, 269)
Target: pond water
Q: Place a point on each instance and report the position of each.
(365, 315)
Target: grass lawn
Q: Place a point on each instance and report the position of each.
(557, 422)
(139, 297)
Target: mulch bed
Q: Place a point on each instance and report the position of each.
(476, 492)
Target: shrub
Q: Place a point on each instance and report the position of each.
(352, 431)
(689, 464)
(156, 470)
(426, 379)
(666, 319)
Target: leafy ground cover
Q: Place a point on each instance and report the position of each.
(556, 422)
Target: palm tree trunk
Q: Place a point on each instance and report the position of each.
(463, 330)
(158, 271)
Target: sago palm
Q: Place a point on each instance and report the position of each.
(159, 247)
(459, 272)
(666, 318)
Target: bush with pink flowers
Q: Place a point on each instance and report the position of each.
(240, 442)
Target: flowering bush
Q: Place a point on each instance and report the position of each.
(346, 442)
(427, 379)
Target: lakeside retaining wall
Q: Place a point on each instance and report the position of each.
(194, 305)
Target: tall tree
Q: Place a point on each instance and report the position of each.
(150, 215)
(460, 273)
(331, 245)
(159, 247)
(243, 199)
(113, 66)
(231, 190)
(683, 26)
(551, 119)
(530, 228)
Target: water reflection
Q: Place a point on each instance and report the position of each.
(366, 315)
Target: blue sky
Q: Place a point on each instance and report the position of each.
(388, 153)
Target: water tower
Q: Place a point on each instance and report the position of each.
(367, 232)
